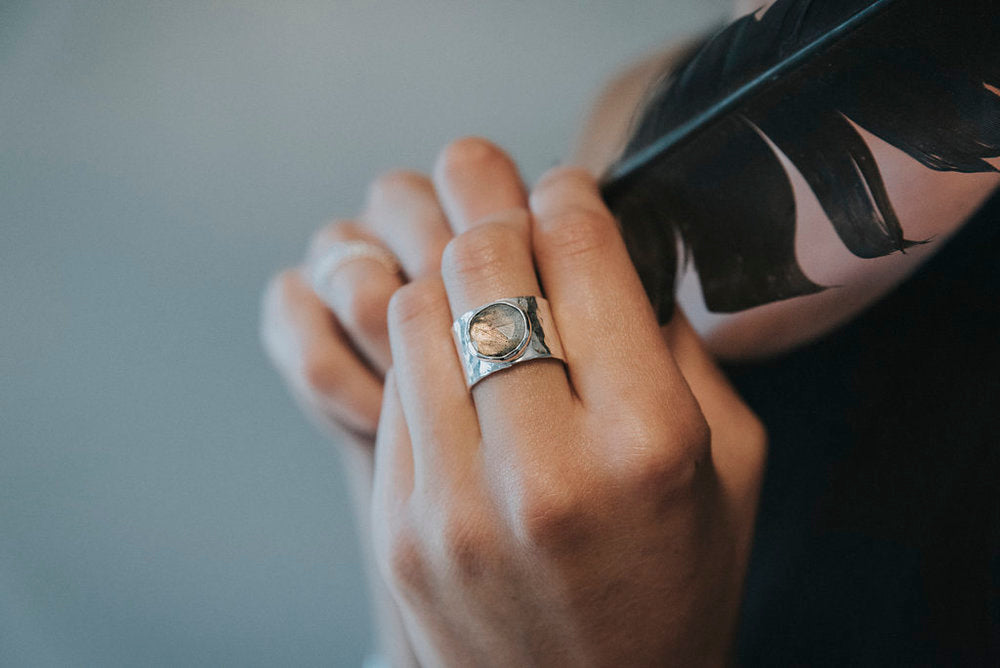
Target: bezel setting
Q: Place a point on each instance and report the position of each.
(539, 339)
(521, 345)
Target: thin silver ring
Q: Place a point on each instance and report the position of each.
(342, 252)
(505, 332)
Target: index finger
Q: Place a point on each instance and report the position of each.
(611, 337)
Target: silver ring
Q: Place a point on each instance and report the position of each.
(505, 332)
(342, 252)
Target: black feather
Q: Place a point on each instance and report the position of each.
(837, 165)
(698, 173)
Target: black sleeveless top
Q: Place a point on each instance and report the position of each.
(878, 534)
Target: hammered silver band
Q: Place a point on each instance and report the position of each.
(342, 252)
(505, 332)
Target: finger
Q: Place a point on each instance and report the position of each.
(357, 290)
(403, 210)
(615, 353)
(475, 179)
(738, 438)
(306, 345)
(393, 477)
(392, 485)
(439, 412)
(492, 259)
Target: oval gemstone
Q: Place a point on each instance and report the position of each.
(498, 330)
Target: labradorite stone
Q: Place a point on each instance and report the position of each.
(497, 331)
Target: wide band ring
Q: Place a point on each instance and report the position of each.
(342, 252)
(505, 332)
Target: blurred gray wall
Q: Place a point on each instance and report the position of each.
(161, 500)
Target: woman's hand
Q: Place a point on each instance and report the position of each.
(330, 341)
(595, 513)
(331, 344)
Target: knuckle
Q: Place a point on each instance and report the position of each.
(576, 232)
(554, 519)
(469, 153)
(479, 251)
(403, 563)
(386, 185)
(416, 301)
(468, 546)
(661, 472)
(666, 458)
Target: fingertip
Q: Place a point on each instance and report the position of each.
(466, 154)
(476, 179)
(386, 189)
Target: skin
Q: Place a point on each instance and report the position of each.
(591, 514)
(587, 513)
(930, 204)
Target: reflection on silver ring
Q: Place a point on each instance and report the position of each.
(503, 333)
(342, 252)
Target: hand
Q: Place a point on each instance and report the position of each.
(594, 514)
(332, 345)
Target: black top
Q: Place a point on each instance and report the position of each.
(878, 535)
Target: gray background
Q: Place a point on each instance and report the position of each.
(161, 500)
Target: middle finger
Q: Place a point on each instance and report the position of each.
(403, 211)
(492, 259)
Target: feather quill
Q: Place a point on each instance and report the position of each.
(700, 174)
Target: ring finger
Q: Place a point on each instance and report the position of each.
(356, 288)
